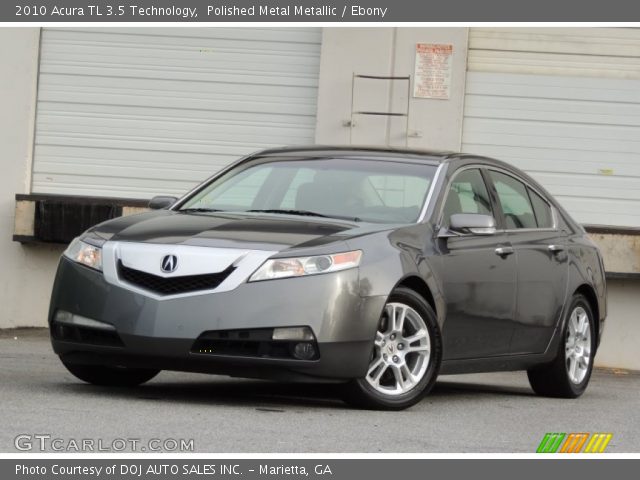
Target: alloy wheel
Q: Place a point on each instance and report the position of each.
(402, 350)
(578, 345)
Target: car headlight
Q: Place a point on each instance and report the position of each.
(84, 253)
(301, 266)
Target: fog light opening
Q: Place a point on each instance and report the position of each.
(67, 318)
(292, 333)
(304, 351)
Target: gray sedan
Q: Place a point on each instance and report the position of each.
(376, 268)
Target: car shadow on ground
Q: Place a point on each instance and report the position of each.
(272, 396)
(449, 388)
(263, 395)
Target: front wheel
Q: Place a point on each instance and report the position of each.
(110, 376)
(568, 375)
(405, 357)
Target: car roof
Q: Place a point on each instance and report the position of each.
(433, 157)
(372, 152)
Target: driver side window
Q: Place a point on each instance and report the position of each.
(467, 194)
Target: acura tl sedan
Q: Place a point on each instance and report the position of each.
(376, 268)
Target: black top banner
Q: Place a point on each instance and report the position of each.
(40, 11)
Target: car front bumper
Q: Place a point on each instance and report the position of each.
(160, 333)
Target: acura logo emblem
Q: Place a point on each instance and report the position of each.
(169, 264)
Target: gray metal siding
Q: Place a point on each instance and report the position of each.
(575, 129)
(134, 112)
(593, 52)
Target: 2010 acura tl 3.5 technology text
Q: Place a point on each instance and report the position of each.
(374, 267)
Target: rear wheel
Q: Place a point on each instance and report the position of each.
(405, 357)
(568, 375)
(110, 376)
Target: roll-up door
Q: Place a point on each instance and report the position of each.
(135, 112)
(562, 104)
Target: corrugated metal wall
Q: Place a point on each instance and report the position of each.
(564, 105)
(128, 112)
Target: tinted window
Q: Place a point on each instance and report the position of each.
(542, 210)
(376, 191)
(242, 190)
(301, 177)
(398, 191)
(515, 202)
(467, 194)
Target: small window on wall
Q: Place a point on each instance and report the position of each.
(516, 206)
(542, 210)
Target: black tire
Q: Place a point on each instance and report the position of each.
(553, 379)
(360, 393)
(110, 376)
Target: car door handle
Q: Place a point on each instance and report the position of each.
(556, 248)
(504, 251)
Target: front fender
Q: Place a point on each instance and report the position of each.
(393, 257)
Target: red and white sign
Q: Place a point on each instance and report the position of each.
(433, 70)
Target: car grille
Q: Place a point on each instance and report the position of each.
(172, 285)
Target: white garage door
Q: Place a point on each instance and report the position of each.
(563, 105)
(135, 112)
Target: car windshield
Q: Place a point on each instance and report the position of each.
(360, 190)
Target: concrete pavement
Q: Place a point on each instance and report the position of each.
(467, 413)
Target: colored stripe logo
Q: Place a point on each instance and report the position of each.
(574, 443)
(598, 443)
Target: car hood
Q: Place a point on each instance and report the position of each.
(229, 230)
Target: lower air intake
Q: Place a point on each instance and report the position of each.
(257, 343)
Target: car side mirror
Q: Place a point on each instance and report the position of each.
(161, 201)
(472, 223)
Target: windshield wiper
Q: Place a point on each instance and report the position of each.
(285, 211)
(307, 213)
(200, 209)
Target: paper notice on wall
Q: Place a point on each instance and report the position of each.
(432, 77)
